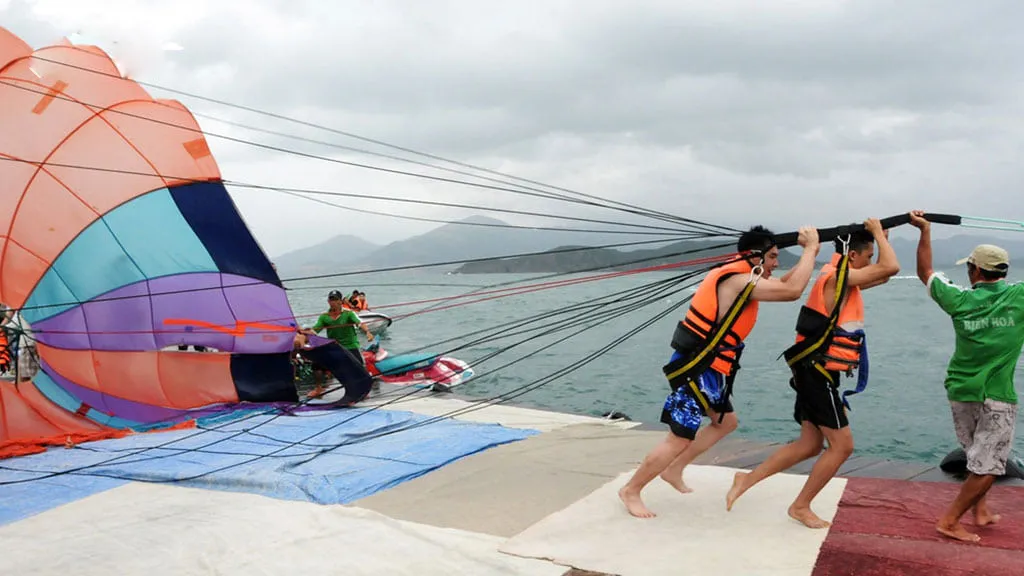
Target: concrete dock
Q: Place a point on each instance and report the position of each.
(540, 504)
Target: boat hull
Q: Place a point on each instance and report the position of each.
(377, 322)
(419, 371)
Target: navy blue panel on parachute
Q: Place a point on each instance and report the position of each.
(211, 213)
(346, 368)
(264, 377)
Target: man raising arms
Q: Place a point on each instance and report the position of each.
(818, 408)
(988, 320)
(707, 344)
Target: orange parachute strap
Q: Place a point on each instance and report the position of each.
(239, 329)
(15, 448)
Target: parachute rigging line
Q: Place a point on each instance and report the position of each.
(593, 269)
(80, 470)
(476, 405)
(586, 308)
(1014, 225)
(464, 223)
(297, 191)
(457, 205)
(585, 312)
(631, 208)
(354, 273)
(515, 393)
(492, 295)
(584, 316)
(46, 92)
(645, 212)
(544, 286)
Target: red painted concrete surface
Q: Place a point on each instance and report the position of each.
(887, 527)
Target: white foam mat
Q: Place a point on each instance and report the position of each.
(692, 534)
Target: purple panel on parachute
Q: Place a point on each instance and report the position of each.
(116, 321)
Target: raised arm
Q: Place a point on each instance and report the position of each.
(792, 285)
(924, 246)
(886, 266)
(877, 257)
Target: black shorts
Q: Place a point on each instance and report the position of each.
(357, 354)
(817, 396)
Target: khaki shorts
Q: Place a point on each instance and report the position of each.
(985, 431)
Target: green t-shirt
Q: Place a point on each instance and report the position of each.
(989, 324)
(345, 336)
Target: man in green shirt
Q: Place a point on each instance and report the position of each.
(988, 320)
(341, 326)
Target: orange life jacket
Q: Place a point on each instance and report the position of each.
(844, 352)
(701, 318)
(5, 352)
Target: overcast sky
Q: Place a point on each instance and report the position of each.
(732, 111)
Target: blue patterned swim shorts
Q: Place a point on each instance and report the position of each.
(683, 412)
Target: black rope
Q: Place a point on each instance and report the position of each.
(335, 160)
(479, 405)
(298, 191)
(629, 207)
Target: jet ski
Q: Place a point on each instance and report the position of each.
(377, 322)
(419, 370)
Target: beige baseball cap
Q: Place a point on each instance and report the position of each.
(988, 257)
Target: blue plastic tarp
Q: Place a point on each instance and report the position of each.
(364, 451)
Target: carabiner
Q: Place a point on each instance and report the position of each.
(845, 243)
(755, 273)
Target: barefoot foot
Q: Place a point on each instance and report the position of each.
(808, 518)
(986, 518)
(676, 482)
(634, 504)
(957, 532)
(739, 486)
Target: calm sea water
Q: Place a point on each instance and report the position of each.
(903, 414)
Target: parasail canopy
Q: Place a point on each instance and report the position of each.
(119, 243)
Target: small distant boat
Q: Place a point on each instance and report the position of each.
(426, 370)
(377, 322)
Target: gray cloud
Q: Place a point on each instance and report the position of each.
(816, 112)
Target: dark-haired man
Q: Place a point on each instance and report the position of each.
(817, 360)
(707, 344)
(341, 325)
(988, 320)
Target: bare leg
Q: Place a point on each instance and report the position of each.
(656, 461)
(971, 493)
(808, 445)
(318, 380)
(840, 446)
(982, 515)
(706, 438)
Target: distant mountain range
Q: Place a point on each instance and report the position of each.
(479, 237)
(582, 259)
(470, 238)
(946, 251)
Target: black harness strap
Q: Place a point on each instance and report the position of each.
(818, 335)
(696, 361)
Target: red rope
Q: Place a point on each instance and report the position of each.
(560, 283)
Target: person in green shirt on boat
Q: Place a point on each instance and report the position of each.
(988, 320)
(341, 324)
